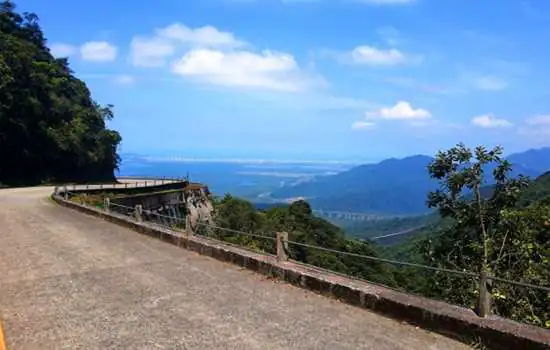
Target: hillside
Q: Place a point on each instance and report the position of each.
(50, 127)
(393, 186)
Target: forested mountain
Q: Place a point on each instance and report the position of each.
(393, 186)
(50, 127)
(504, 232)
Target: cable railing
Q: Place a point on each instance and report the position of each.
(330, 250)
(282, 244)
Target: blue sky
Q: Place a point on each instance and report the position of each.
(308, 79)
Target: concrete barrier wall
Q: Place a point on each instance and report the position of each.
(460, 323)
(129, 190)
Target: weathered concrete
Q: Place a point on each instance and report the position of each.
(447, 319)
(68, 280)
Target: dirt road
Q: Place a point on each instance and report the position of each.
(69, 281)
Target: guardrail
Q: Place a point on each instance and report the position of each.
(275, 260)
(282, 244)
(152, 181)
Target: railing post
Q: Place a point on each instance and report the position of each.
(65, 193)
(100, 186)
(282, 246)
(188, 228)
(125, 185)
(139, 213)
(107, 204)
(55, 190)
(484, 302)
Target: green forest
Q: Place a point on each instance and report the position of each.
(50, 127)
(504, 232)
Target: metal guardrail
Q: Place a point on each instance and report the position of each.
(282, 243)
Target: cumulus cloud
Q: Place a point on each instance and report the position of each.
(373, 56)
(490, 121)
(369, 55)
(63, 50)
(154, 51)
(401, 111)
(270, 70)
(206, 36)
(150, 52)
(209, 55)
(98, 51)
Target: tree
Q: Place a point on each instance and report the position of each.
(488, 233)
(50, 127)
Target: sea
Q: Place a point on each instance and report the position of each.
(252, 179)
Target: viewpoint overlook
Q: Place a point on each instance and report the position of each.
(112, 245)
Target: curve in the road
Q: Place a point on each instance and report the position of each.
(68, 280)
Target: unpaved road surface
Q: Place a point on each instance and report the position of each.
(70, 281)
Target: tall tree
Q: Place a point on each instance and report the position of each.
(50, 127)
(488, 233)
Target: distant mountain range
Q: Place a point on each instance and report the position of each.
(391, 187)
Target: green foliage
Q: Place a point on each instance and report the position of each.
(491, 232)
(374, 228)
(50, 128)
(302, 227)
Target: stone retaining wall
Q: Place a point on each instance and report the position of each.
(454, 321)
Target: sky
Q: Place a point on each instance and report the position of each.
(310, 79)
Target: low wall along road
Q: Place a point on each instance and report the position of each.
(70, 280)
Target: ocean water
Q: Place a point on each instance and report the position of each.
(250, 179)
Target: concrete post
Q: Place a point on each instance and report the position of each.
(125, 185)
(139, 213)
(65, 193)
(107, 204)
(282, 246)
(188, 228)
(484, 303)
(162, 181)
(56, 189)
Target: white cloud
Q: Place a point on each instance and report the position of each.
(370, 55)
(153, 51)
(150, 52)
(98, 51)
(401, 111)
(490, 121)
(63, 50)
(490, 83)
(269, 70)
(206, 36)
(208, 55)
(539, 120)
(361, 125)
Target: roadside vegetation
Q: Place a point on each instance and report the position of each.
(51, 130)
